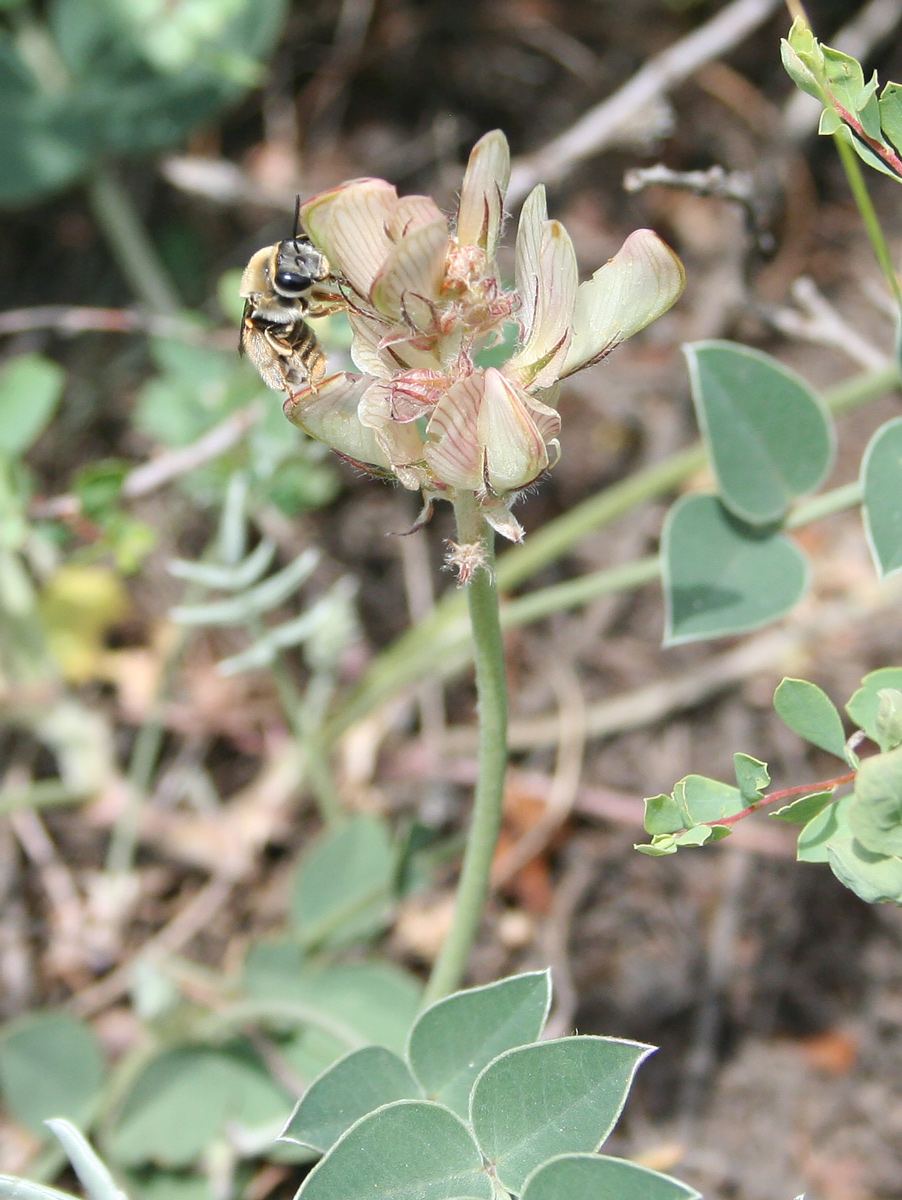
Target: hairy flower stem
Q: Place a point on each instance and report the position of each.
(485, 824)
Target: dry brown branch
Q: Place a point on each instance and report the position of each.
(194, 917)
(169, 465)
(602, 125)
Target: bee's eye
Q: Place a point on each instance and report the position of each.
(292, 283)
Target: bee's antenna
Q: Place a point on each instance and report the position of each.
(297, 216)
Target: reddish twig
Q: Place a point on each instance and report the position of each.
(892, 160)
(803, 789)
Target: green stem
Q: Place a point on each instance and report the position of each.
(133, 250)
(442, 637)
(485, 824)
(855, 176)
(308, 733)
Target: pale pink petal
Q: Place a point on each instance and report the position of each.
(329, 414)
(412, 212)
(349, 224)
(453, 450)
(551, 296)
(401, 442)
(641, 281)
(533, 216)
(515, 451)
(382, 349)
(409, 283)
(481, 208)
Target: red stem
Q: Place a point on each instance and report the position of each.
(891, 159)
(784, 794)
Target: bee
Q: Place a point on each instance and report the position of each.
(281, 285)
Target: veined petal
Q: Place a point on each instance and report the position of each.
(401, 442)
(641, 281)
(514, 449)
(382, 349)
(329, 414)
(412, 212)
(549, 302)
(453, 450)
(349, 224)
(533, 216)
(481, 207)
(408, 286)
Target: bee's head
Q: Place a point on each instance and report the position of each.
(298, 266)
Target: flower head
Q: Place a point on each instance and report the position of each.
(426, 300)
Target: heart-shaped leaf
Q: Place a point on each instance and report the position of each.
(409, 1150)
(769, 436)
(722, 576)
(881, 487)
(357, 1084)
(454, 1039)
(580, 1176)
(554, 1097)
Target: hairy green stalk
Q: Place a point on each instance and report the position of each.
(485, 822)
(442, 637)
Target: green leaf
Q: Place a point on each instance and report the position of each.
(51, 1065)
(876, 878)
(344, 883)
(596, 1176)
(864, 707)
(375, 1001)
(93, 1174)
(803, 810)
(875, 814)
(809, 712)
(815, 838)
(751, 775)
(184, 1099)
(14, 1188)
(702, 799)
(722, 577)
(456, 1037)
(409, 1150)
(660, 845)
(357, 1084)
(700, 835)
(769, 436)
(881, 488)
(891, 114)
(30, 389)
(550, 1098)
(663, 815)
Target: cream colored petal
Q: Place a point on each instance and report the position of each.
(365, 351)
(382, 349)
(548, 420)
(481, 208)
(349, 225)
(402, 443)
(515, 451)
(501, 519)
(549, 300)
(533, 216)
(641, 281)
(410, 280)
(329, 414)
(452, 445)
(412, 212)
